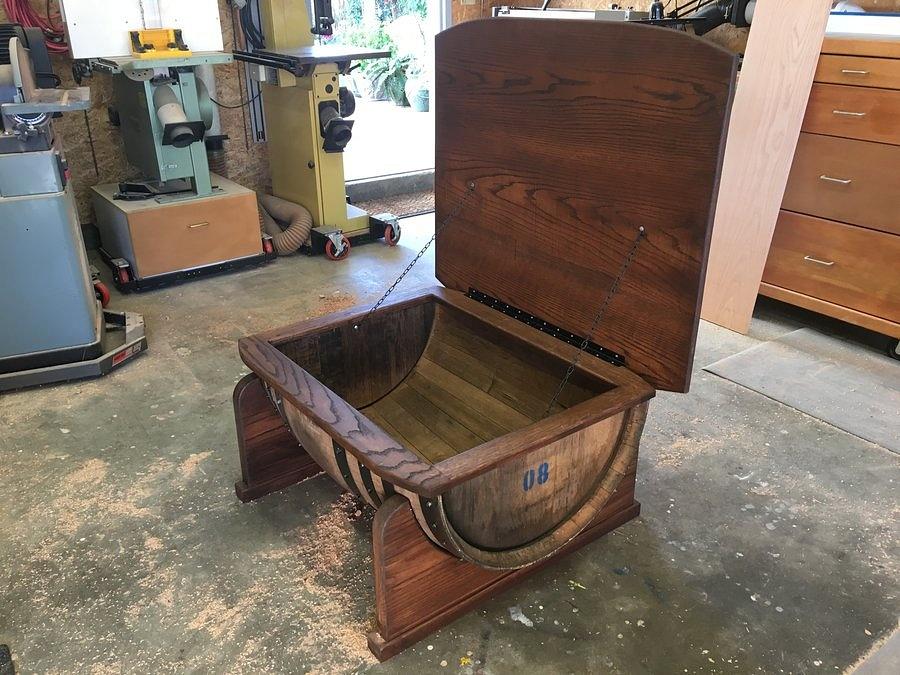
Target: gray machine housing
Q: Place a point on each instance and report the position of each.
(52, 326)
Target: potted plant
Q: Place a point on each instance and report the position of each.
(388, 78)
(417, 88)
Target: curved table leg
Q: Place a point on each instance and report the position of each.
(420, 588)
(271, 458)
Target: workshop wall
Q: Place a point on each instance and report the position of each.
(248, 163)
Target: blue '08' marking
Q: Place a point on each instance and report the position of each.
(541, 476)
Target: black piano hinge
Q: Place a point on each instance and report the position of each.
(592, 348)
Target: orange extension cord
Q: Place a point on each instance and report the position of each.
(23, 12)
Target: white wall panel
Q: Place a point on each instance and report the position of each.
(99, 28)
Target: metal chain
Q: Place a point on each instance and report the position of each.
(437, 230)
(597, 319)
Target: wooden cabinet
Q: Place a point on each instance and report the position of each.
(846, 180)
(847, 265)
(859, 71)
(853, 112)
(836, 248)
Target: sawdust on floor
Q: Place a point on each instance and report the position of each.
(190, 466)
(317, 564)
(330, 304)
(83, 498)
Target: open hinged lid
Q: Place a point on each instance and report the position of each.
(575, 134)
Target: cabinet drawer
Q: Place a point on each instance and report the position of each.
(189, 234)
(854, 112)
(846, 265)
(858, 71)
(848, 180)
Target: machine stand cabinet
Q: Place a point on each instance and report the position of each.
(494, 421)
(152, 242)
(178, 220)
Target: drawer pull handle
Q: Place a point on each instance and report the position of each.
(848, 113)
(842, 181)
(827, 263)
(196, 225)
(847, 71)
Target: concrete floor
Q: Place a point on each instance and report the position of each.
(767, 543)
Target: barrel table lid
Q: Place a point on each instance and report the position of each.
(555, 142)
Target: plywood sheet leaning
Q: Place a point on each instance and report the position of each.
(774, 86)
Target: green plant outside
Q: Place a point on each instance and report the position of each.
(387, 77)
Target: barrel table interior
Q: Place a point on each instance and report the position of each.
(494, 421)
(467, 387)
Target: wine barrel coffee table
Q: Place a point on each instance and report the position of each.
(577, 167)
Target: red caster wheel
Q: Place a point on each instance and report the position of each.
(122, 275)
(267, 246)
(391, 235)
(330, 249)
(102, 293)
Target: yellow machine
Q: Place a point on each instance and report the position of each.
(306, 113)
(158, 43)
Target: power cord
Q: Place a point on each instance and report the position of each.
(239, 105)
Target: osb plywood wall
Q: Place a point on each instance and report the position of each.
(248, 164)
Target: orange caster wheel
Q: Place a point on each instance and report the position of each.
(391, 235)
(333, 254)
(102, 293)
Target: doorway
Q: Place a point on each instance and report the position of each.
(393, 133)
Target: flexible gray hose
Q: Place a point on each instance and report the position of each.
(298, 223)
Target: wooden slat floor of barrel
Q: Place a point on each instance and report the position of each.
(466, 390)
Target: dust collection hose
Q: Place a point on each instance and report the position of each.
(273, 211)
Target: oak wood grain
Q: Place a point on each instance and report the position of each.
(443, 384)
(858, 71)
(840, 312)
(576, 134)
(494, 511)
(870, 45)
(779, 63)
(465, 362)
(462, 403)
(360, 366)
(271, 458)
(379, 451)
(371, 445)
(192, 233)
